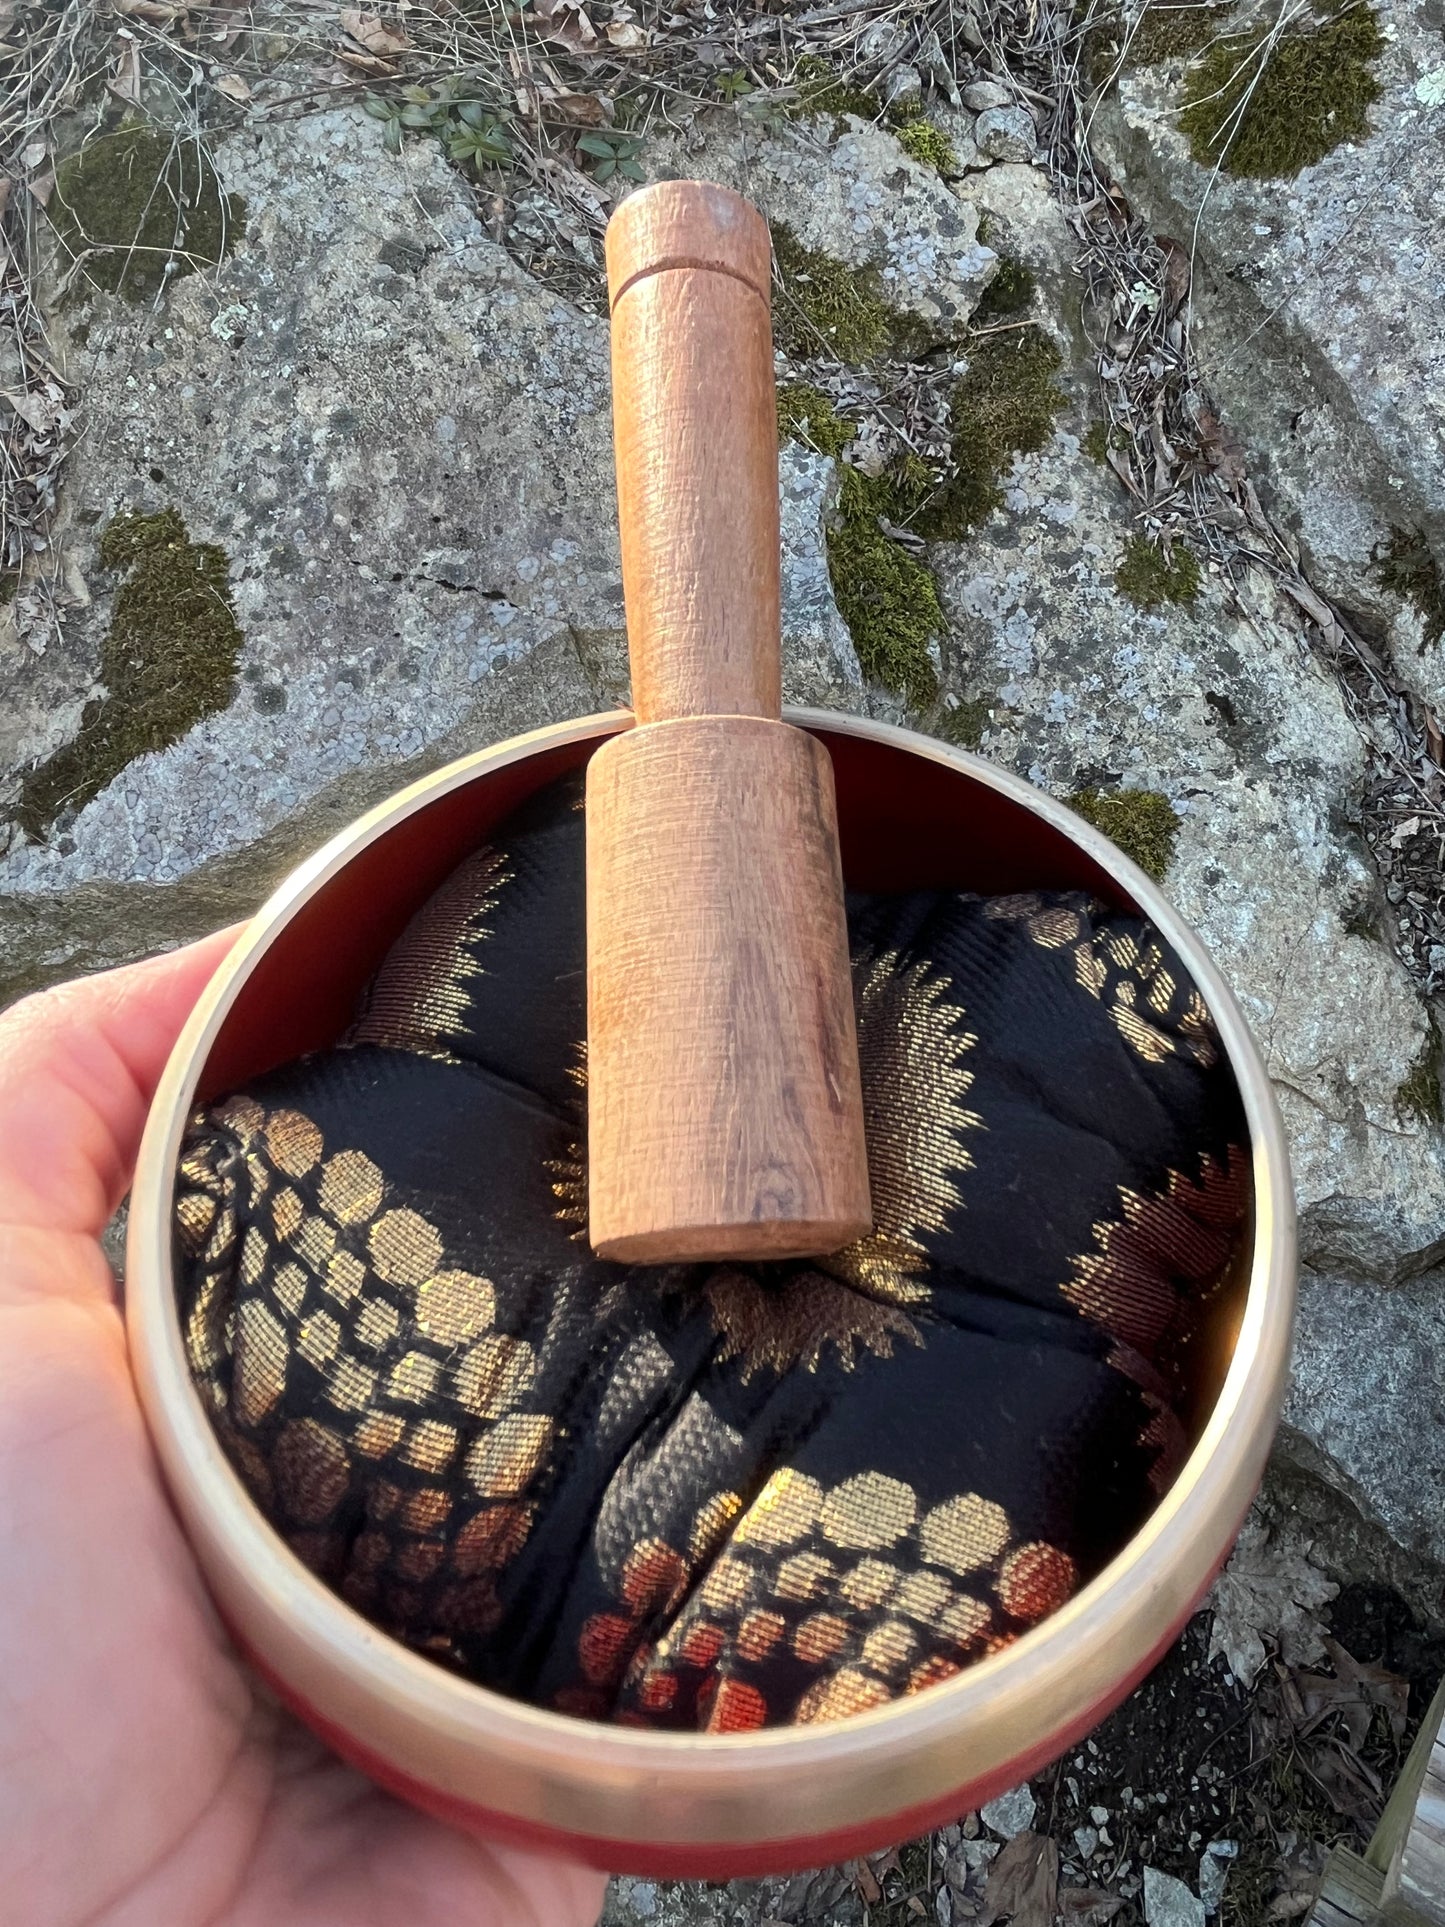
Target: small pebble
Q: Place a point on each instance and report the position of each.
(1010, 1813)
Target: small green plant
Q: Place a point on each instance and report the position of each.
(1148, 577)
(928, 145)
(1142, 823)
(1268, 104)
(478, 138)
(612, 154)
(734, 85)
(472, 133)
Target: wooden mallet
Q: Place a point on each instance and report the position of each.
(725, 1118)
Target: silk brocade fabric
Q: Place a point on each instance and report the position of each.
(715, 1497)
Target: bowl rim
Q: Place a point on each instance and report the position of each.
(541, 1767)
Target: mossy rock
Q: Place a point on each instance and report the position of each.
(806, 414)
(1003, 405)
(168, 661)
(1420, 1096)
(1148, 577)
(821, 89)
(1405, 564)
(1141, 823)
(1269, 109)
(830, 308)
(144, 208)
(887, 597)
(1010, 293)
(928, 145)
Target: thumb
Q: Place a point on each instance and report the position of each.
(78, 1067)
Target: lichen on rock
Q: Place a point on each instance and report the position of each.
(1270, 103)
(168, 661)
(143, 206)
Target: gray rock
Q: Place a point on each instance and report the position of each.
(1005, 133)
(1214, 1866)
(981, 94)
(903, 87)
(1366, 1403)
(1011, 1812)
(1169, 1903)
(1248, 738)
(1316, 317)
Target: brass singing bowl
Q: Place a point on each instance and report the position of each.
(913, 813)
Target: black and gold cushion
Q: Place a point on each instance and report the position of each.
(718, 1496)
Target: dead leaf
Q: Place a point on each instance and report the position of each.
(33, 154)
(1356, 1689)
(1023, 1883)
(368, 30)
(365, 63)
(567, 21)
(39, 411)
(1434, 740)
(583, 110)
(867, 1886)
(161, 13)
(233, 87)
(626, 36)
(1088, 1906)
(1176, 273)
(5, 186)
(124, 83)
(42, 186)
(1349, 1784)
(1268, 1591)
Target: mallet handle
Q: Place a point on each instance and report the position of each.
(696, 433)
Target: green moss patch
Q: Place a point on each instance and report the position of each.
(819, 88)
(1167, 31)
(1148, 577)
(1269, 111)
(1004, 405)
(1404, 563)
(886, 596)
(928, 145)
(144, 209)
(169, 660)
(806, 414)
(888, 599)
(831, 308)
(1141, 823)
(1420, 1096)
(1009, 294)
(965, 724)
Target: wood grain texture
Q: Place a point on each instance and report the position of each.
(724, 1112)
(696, 440)
(1422, 1863)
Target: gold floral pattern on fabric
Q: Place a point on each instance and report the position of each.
(913, 1054)
(420, 997)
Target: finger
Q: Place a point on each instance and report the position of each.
(78, 1068)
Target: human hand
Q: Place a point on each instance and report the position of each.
(146, 1780)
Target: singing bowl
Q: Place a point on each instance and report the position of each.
(913, 813)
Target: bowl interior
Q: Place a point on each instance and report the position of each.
(905, 822)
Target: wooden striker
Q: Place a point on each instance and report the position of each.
(725, 1118)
